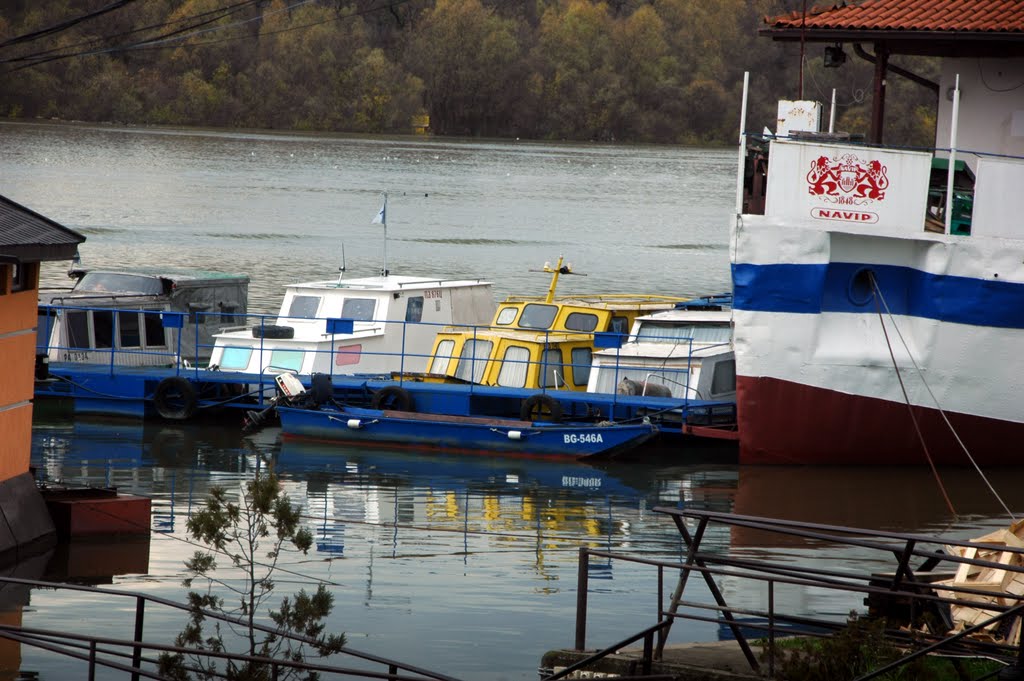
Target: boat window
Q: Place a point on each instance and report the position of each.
(346, 355)
(44, 326)
(724, 378)
(414, 309)
(581, 321)
(235, 358)
(673, 379)
(130, 335)
(156, 336)
(514, 367)
(443, 355)
(78, 330)
(619, 325)
(537, 316)
(554, 372)
(506, 315)
(103, 328)
(286, 360)
(473, 360)
(581, 359)
(359, 309)
(673, 332)
(304, 307)
(122, 283)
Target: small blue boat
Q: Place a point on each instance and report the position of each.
(471, 434)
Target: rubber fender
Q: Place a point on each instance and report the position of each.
(392, 398)
(175, 398)
(273, 331)
(541, 407)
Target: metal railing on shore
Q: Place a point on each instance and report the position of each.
(134, 656)
(914, 600)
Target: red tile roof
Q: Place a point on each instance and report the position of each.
(984, 16)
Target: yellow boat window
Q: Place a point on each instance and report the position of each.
(581, 321)
(443, 355)
(619, 325)
(581, 359)
(506, 315)
(513, 367)
(554, 372)
(537, 316)
(473, 360)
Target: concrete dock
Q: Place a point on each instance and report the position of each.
(714, 661)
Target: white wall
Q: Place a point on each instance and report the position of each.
(991, 106)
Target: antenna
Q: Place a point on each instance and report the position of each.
(555, 271)
(341, 270)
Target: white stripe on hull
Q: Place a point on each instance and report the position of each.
(970, 369)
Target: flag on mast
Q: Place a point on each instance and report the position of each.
(382, 214)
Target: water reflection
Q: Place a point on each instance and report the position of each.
(467, 564)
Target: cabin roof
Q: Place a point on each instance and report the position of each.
(390, 283)
(931, 27)
(689, 316)
(614, 302)
(172, 274)
(31, 237)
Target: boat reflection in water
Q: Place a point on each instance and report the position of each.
(464, 563)
(467, 564)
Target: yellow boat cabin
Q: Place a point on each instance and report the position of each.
(538, 341)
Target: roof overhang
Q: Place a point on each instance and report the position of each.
(923, 43)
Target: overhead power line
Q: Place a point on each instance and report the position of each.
(66, 24)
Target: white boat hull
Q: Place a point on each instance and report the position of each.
(826, 371)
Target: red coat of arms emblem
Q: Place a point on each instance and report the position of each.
(847, 179)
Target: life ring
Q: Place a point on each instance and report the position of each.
(175, 398)
(541, 407)
(392, 398)
(273, 331)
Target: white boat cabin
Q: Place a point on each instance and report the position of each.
(138, 317)
(370, 325)
(684, 353)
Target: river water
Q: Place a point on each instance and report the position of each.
(463, 565)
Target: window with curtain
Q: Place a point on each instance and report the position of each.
(439, 364)
(514, 366)
(661, 332)
(473, 360)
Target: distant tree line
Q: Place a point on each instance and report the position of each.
(666, 71)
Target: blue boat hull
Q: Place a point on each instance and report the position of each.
(469, 434)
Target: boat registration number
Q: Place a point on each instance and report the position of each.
(582, 438)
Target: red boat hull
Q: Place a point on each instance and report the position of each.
(782, 422)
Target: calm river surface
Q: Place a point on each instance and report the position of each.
(463, 565)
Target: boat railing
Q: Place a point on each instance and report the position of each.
(924, 595)
(138, 657)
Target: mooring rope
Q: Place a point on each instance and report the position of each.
(876, 290)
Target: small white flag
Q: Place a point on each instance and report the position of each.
(382, 214)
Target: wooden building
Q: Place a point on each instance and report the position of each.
(26, 240)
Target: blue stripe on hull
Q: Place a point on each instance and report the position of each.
(836, 287)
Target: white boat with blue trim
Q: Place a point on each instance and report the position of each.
(879, 292)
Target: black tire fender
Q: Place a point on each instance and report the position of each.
(273, 331)
(175, 398)
(541, 407)
(393, 398)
